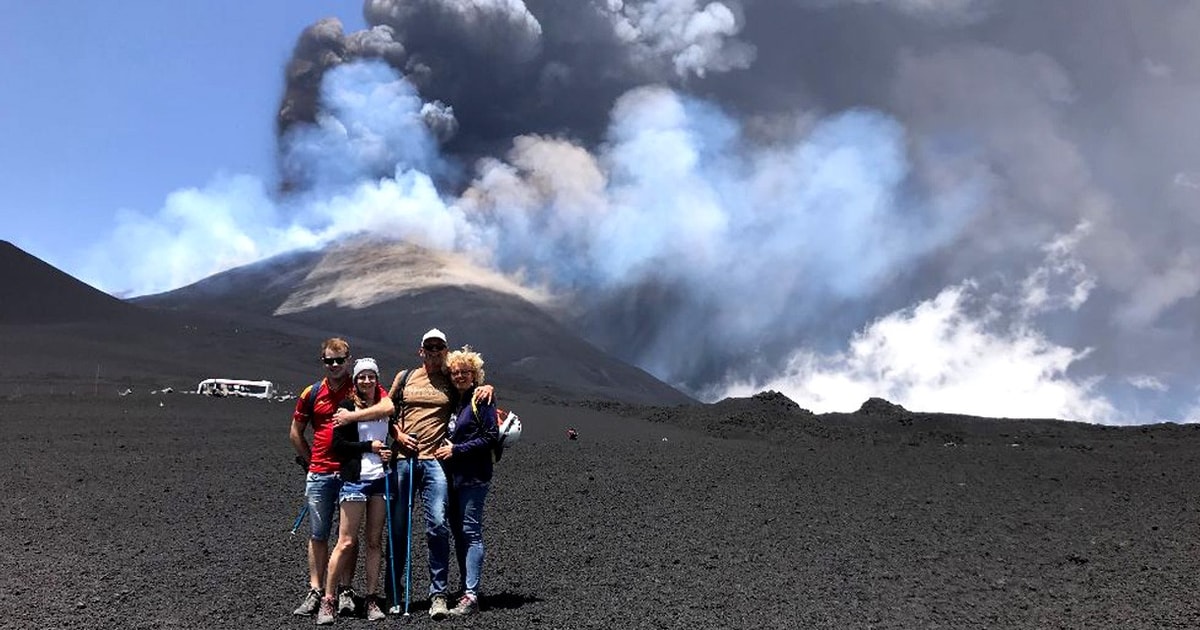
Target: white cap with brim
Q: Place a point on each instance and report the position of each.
(434, 334)
(364, 364)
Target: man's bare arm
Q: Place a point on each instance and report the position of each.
(381, 409)
(484, 394)
(296, 435)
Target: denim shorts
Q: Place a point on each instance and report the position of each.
(359, 491)
(321, 492)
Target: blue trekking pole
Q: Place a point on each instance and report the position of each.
(387, 495)
(412, 464)
(299, 518)
(304, 508)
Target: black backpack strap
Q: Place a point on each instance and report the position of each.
(398, 396)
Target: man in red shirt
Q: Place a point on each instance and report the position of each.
(322, 484)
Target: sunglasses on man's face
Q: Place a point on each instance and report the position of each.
(434, 347)
(334, 360)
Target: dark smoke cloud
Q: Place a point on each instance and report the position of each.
(805, 176)
(321, 47)
(510, 68)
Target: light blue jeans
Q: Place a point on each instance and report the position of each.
(466, 520)
(430, 483)
(321, 492)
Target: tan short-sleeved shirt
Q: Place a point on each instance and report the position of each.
(426, 409)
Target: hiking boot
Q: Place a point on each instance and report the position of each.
(437, 608)
(325, 614)
(468, 605)
(345, 601)
(374, 612)
(310, 603)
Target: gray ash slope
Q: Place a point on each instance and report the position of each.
(638, 523)
(74, 338)
(386, 293)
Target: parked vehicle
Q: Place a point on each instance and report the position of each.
(236, 387)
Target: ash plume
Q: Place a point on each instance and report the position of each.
(509, 67)
(737, 194)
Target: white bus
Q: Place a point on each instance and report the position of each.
(236, 387)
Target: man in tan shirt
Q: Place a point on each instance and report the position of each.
(425, 399)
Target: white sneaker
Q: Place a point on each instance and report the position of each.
(438, 609)
(468, 605)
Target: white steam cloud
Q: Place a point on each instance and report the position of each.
(678, 197)
(956, 353)
(696, 37)
(372, 122)
(374, 156)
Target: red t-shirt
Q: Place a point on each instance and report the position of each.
(327, 401)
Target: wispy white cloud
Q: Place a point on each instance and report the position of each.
(371, 153)
(1146, 381)
(961, 351)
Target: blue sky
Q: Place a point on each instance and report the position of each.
(110, 106)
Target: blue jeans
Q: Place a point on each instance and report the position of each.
(466, 520)
(430, 483)
(321, 491)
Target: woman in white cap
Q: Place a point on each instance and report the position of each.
(361, 448)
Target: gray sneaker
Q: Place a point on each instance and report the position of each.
(467, 605)
(325, 614)
(345, 601)
(310, 604)
(374, 612)
(437, 608)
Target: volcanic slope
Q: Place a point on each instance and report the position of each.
(35, 292)
(61, 335)
(387, 293)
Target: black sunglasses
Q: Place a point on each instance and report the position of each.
(429, 347)
(334, 360)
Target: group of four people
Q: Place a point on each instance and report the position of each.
(442, 423)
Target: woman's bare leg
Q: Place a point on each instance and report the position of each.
(376, 515)
(343, 553)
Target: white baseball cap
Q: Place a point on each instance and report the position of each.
(434, 334)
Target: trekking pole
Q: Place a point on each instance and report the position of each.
(387, 495)
(412, 464)
(299, 518)
(304, 508)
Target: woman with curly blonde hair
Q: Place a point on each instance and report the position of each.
(467, 459)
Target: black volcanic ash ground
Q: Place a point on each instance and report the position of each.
(171, 511)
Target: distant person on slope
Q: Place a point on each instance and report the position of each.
(425, 400)
(361, 449)
(322, 483)
(467, 459)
